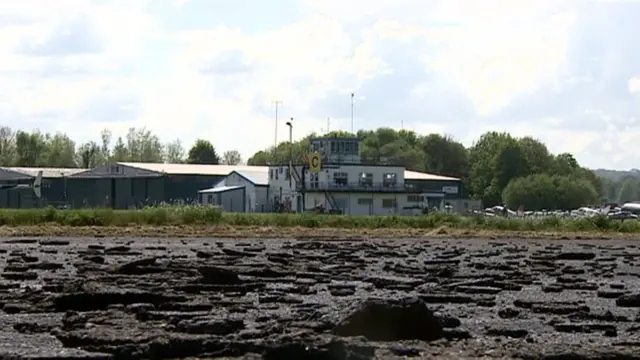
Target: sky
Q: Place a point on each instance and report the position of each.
(564, 71)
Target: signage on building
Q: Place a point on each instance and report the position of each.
(450, 189)
(315, 163)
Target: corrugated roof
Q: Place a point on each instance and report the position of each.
(414, 175)
(46, 172)
(219, 189)
(193, 169)
(257, 177)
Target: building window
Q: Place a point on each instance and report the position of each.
(275, 171)
(280, 170)
(271, 174)
(415, 198)
(340, 178)
(389, 179)
(352, 148)
(365, 201)
(287, 174)
(210, 199)
(365, 179)
(313, 181)
(388, 203)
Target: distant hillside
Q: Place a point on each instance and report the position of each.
(617, 175)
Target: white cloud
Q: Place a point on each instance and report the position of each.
(634, 85)
(559, 71)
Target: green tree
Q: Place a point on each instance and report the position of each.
(174, 152)
(60, 152)
(203, 152)
(549, 192)
(88, 155)
(482, 182)
(120, 152)
(29, 148)
(539, 159)
(445, 156)
(261, 158)
(7, 146)
(143, 146)
(231, 157)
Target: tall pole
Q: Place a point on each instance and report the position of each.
(275, 140)
(352, 95)
(291, 141)
(290, 125)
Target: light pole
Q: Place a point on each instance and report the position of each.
(290, 125)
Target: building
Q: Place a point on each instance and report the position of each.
(54, 186)
(240, 191)
(125, 185)
(335, 179)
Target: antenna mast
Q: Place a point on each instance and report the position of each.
(352, 95)
(275, 141)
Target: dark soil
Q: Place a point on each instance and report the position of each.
(125, 298)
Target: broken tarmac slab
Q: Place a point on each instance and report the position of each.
(97, 298)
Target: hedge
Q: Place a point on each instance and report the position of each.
(208, 215)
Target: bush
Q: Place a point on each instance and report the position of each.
(210, 215)
(163, 215)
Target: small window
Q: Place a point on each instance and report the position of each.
(388, 203)
(366, 179)
(340, 178)
(287, 174)
(365, 201)
(389, 179)
(276, 172)
(210, 199)
(415, 198)
(271, 174)
(281, 170)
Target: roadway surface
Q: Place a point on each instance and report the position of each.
(121, 298)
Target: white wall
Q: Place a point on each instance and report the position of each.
(234, 179)
(280, 187)
(262, 199)
(363, 203)
(230, 201)
(326, 176)
(279, 182)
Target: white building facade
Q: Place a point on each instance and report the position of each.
(341, 183)
(240, 191)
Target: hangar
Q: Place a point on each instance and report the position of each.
(54, 186)
(240, 191)
(123, 185)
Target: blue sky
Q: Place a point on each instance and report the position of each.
(564, 71)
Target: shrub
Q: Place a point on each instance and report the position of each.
(210, 215)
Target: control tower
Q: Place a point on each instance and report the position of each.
(336, 150)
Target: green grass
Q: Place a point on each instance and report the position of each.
(207, 215)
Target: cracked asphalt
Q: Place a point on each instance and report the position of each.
(133, 298)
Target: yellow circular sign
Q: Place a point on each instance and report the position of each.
(315, 161)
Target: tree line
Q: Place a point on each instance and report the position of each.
(38, 149)
(497, 168)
